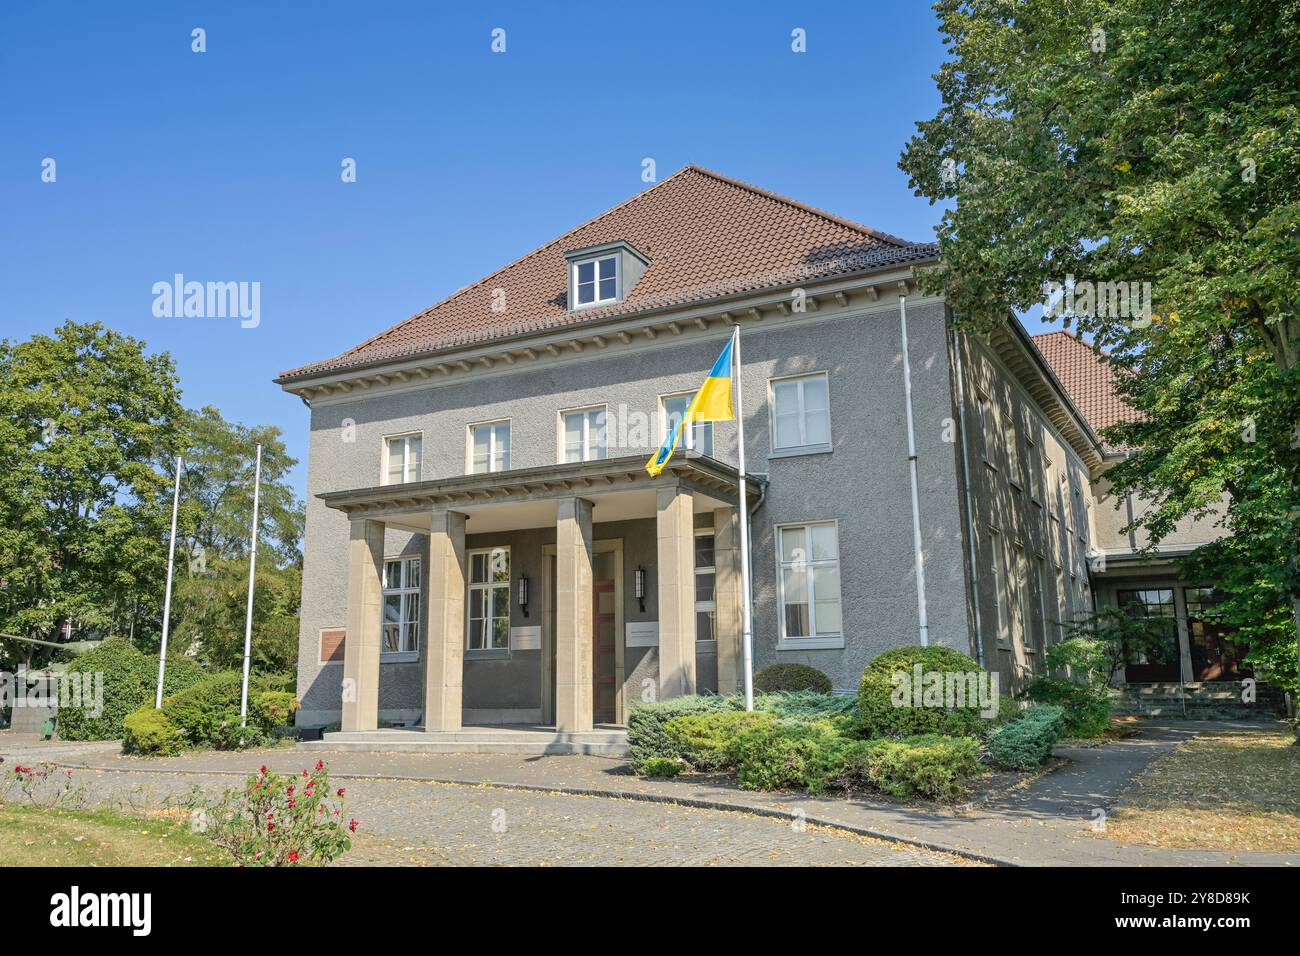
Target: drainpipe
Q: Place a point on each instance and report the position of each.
(970, 516)
(911, 461)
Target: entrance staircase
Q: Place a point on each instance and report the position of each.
(603, 741)
(1206, 700)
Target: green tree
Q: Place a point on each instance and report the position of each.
(217, 491)
(210, 610)
(84, 414)
(1156, 141)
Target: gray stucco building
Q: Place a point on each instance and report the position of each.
(484, 545)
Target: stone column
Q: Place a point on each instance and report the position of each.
(361, 648)
(675, 574)
(573, 615)
(727, 591)
(444, 629)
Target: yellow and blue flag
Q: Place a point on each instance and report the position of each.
(712, 403)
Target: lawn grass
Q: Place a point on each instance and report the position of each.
(1223, 790)
(37, 836)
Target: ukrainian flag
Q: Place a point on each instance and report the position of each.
(712, 403)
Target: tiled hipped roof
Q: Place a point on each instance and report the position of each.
(705, 236)
(1088, 379)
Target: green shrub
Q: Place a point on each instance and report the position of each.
(929, 765)
(1086, 706)
(777, 677)
(271, 709)
(661, 767)
(879, 716)
(791, 755)
(148, 731)
(647, 733)
(207, 713)
(803, 705)
(707, 741)
(130, 679)
(1027, 741)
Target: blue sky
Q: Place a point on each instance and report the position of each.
(225, 165)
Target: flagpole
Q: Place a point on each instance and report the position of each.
(248, 618)
(746, 614)
(167, 598)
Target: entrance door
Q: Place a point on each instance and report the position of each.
(1215, 656)
(1159, 663)
(604, 633)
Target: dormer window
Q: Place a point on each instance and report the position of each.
(604, 274)
(596, 280)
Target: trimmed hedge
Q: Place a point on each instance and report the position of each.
(928, 765)
(130, 681)
(707, 741)
(791, 755)
(878, 716)
(793, 677)
(1087, 707)
(148, 731)
(647, 725)
(1027, 741)
(206, 714)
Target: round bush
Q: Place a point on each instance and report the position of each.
(777, 677)
(879, 713)
(149, 732)
(1027, 741)
(129, 681)
(1086, 706)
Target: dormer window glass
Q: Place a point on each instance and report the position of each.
(596, 280)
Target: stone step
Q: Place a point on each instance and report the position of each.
(434, 746)
(607, 743)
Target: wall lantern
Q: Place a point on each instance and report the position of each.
(638, 587)
(523, 594)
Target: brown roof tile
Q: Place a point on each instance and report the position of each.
(1087, 378)
(705, 235)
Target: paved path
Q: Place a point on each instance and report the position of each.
(430, 824)
(1047, 823)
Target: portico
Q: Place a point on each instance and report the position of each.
(527, 589)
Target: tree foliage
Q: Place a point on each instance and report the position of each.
(1145, 141)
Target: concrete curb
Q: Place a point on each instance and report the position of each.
(696, 803)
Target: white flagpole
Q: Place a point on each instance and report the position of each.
(167, 598)
(248, 618)
(746, 614)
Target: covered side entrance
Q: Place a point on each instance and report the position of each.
(554, 596)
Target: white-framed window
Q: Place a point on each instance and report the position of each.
(401, 606)
(1013, 450)
(1024, 613)
(488, 614)
(809, 557)
(489, 447)
(1040, 574)
(706, 579)
(801, 413)
(595, 281)
(1035, 469)
(583, 434)
(1049, 474)
(1001, 588)
(402, 458)
(695, 437)
(984, 412)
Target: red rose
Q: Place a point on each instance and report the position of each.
(353, 826)
(293, 856)
(263, 770)
(342, 790)
(320, 764)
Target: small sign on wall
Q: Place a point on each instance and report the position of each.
(526, 638)
(642, 633)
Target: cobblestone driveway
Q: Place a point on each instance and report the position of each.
(432, 824)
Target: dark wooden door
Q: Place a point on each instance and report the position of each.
(1215, 655)
(603, 633)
